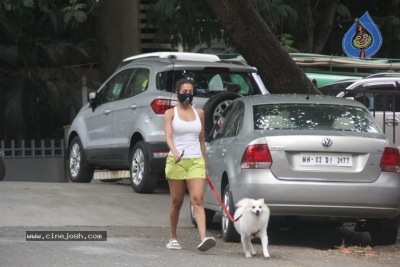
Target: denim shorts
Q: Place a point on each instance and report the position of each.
(185, 169)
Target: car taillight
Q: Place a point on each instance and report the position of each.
(159, 106)
(390, 161)
(256, 157)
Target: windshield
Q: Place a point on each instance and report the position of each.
(313, 117)
(209, 82)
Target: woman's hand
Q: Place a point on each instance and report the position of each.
(177, 156)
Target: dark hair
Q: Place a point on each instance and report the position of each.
(182, 81)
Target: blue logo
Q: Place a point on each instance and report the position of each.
(363, 39)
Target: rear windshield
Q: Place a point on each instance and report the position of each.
(313, 117)
(210, 82)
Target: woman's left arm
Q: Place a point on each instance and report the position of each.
(201, 136)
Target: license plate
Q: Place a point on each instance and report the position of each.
(326, 159)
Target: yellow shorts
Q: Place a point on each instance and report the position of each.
(185, 169)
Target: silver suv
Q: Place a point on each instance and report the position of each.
(122, 126)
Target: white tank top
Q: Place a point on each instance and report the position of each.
(186, 135)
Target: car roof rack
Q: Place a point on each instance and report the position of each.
(176, 55)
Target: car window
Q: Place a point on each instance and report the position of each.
(138, 82)
(210, 82)
(234, 121)
(111, 91)
(216, 131)
(376, 85)
(313, 117)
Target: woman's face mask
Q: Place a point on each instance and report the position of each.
(185, 98)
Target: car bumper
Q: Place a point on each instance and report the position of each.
(157, 152)
(378, 199)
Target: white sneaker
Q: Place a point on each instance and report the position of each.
(207, 243)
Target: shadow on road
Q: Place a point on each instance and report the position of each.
(311, 235)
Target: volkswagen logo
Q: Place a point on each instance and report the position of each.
(327, 143)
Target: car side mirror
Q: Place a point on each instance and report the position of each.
(93, 100)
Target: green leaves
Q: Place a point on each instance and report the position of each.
(74, 14)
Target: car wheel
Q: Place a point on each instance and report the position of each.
(384, 236)
(141, 179)
(214, 107)
(229, 233)
(79, 171)
(209, 216)
(2, 169)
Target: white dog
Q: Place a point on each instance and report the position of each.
(251, 220)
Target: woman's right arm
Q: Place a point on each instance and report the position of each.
(168, 117)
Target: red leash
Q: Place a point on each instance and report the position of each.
(220, 201)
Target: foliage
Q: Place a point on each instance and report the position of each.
(287, 40)
(191, 23)
(37, 47)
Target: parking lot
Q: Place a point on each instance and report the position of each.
(137, 231)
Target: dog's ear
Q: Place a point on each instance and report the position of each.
(261, 200)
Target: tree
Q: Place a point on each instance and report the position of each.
(36, 47)
(275, 66)
(313, 28)
(246, 30)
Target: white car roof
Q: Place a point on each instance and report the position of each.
(373, 80)
(178, 56)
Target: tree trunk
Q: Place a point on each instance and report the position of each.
(305, 27)
(276, 68)
(324, 27)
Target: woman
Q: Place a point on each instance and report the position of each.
(185, 166)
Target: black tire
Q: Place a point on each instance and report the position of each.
(214, 107)
(2, 169)
(79, 171)
(229, 233)
(384, 236)
(209, 216)
(142, 180)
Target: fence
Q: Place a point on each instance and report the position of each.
(36, 161)
(44, 150)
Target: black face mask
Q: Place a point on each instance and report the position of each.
(185, 98)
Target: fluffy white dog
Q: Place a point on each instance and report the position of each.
(251, 220)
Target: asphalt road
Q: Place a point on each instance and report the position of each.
(137, 231)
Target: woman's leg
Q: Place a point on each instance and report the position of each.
(196, 191)
(177, 191)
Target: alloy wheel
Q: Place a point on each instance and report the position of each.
(75, 160)
(192, 211)
(225, 219)
(137, 167)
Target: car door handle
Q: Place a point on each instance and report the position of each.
(106, 112)
(392, 121)
(133, 106)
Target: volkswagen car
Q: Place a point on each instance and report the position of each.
(313, 157)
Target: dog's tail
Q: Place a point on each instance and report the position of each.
(242, 203)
